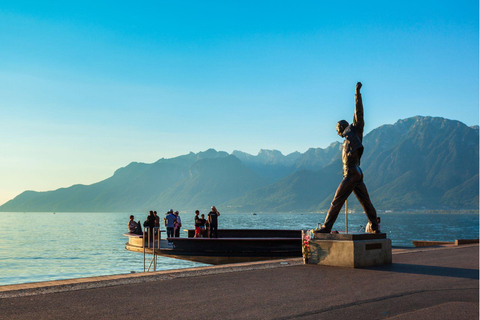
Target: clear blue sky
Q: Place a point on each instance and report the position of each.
(87, 87)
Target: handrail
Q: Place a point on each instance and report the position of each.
(151, 237)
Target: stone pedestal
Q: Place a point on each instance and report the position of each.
(350, 250)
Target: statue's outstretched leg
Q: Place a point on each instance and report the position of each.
(361, 193)
(345, 188)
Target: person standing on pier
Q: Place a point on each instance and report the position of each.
(170, 223)
(150, 222)
(202, 221)
(213, 223)
(352, 174)
(157, 219)
(178, 224)
(197, 224)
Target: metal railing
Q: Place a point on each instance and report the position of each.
(151, 241)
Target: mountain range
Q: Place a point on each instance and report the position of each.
(416, 163)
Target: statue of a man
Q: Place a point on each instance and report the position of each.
(352, 174)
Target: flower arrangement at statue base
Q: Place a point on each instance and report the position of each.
(306, 236)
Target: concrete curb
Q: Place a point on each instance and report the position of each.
(38, 288)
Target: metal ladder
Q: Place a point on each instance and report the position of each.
(151, 245)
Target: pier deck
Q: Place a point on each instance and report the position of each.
(426, 283)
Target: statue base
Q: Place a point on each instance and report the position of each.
(353, 250)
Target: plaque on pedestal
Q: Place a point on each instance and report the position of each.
(349, 236)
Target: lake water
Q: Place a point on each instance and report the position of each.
(46, 246)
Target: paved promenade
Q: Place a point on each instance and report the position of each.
(427, 283)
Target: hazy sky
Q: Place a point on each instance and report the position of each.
(87, 86)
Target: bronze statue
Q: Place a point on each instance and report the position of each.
(352, 174)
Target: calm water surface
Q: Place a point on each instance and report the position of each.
(46, 246)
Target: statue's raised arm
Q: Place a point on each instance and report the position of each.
(358, 120)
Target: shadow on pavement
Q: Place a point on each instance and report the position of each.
(429, 270)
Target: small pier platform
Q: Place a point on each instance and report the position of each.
(231, 246)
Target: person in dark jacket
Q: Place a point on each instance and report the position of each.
(157, 219)
(150, 220)
(150, 223)
(213, 223)
(352, 174)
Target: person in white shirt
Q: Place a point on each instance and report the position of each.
(178, 224)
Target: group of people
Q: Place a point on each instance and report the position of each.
(206, 227)
(173, 223)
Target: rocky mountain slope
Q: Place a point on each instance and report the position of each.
(419, 162)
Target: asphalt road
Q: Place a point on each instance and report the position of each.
(440, 283)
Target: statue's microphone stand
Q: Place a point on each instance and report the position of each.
(346, 216)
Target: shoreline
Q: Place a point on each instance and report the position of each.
(426, 283)
(68, 285)
(382, 211)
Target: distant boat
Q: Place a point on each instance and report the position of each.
(254, 214)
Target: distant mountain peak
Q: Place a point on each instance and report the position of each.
(268, 152)
(211, 153)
